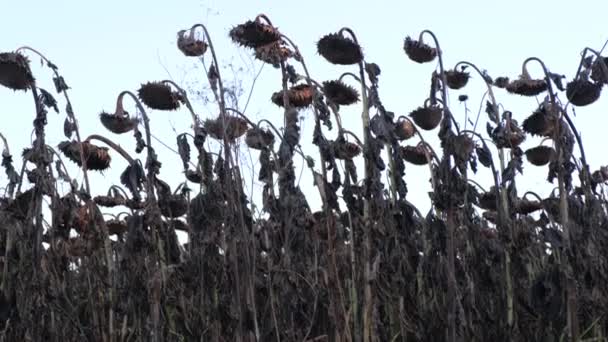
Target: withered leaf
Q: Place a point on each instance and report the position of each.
(183, 147)
(48, 100)
(484, 155)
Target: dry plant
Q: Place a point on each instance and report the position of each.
(501, 264)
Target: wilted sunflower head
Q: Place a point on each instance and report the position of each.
(581, 92)
(158, 95)
(427, 117)
(345, 150)
(418, 51)
(300, 96)
(189, 45)
(97, 158)
(542, 122)
(235, 127)
(254, 34)
(15, 71)
(274, 53)
(117, 124)
(259, 138)
(540, 155)
(337, 49)
(457, 79)
(416, 155)
(340, 93)
(404, 129)
(527, 86)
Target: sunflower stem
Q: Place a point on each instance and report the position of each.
(69, 112)
(572, 318)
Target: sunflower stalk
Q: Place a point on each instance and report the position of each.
(572, 317)
(69, 112)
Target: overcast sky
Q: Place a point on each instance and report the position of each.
(104, 47)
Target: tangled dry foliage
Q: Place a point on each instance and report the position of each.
(501, 264)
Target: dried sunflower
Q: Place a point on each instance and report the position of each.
(582, 92)
(526, 86)
(158, 95)
(235, 127)
(189, 45)
(404, 129)
(15, 71)
(338, 49)
(487, 200)
(427, 117)
(540, 155)
(345, 150)
(174, 205)
(116, 226)
(300, 96)
(340, 93)
(541, 123)
(457, 79)
(97, 158)
(418, 51)
(254, 34)
(117, 123)
(259, 138)
(193, 176)
(273, 53)
(416, 155)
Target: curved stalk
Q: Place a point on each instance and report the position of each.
(572, 318)
(444, 82)
(70, 114)
(113, 145)
(195, 119)
(368, 304)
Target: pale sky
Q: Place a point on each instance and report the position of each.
(105, 47)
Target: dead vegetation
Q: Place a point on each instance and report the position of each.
(501, 264)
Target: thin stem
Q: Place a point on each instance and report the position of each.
(195, 119)
(444, 85)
